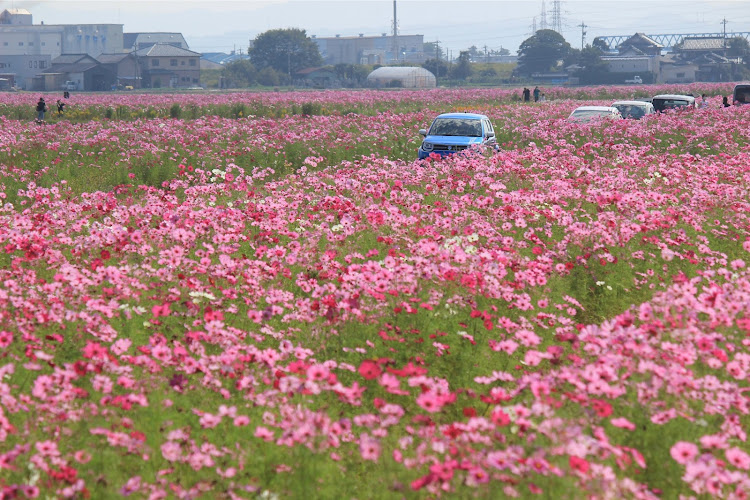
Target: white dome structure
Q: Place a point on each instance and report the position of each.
(410, 77)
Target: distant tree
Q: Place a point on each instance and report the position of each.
(739, 47)
(474, 53)
(502, 51)
(433, 50)
(285, 50)
(593, 68)
(462, 69)
(600, 44)
(439, 68)
(541, 52)
(269, 77)
(240, 73)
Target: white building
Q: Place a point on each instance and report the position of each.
(26, 49)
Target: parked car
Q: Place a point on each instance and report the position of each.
(637, 80)
(741, 94)
(664, 102)
(70, 85)
(589, 113)
(635, 110)
(452, 132)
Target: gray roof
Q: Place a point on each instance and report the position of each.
(73, 59)
(165, 50)
(702, 43)
(111, 58)
(71, 68)
(131, 41)
(642, 38)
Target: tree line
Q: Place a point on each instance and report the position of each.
(277, 55)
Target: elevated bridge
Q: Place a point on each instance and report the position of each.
(669, 41)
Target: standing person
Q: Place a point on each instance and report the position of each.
(725, 101)
(526, 94)
(704, 102)
(60, 107)
(536, 94)
(41, 107)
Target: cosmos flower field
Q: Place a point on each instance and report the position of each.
(265, 296)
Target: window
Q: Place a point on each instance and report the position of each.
(20, 44)
(155, 62)
(31, 44)
(44, 43)
(192, 62)
(680, 75)
(36, 64)
(42, 64)
(173, 62)
(182, 63)
(5, 44)
(30, 64)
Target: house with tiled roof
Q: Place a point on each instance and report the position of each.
(124, 66)
(87, 73)
(165, 65)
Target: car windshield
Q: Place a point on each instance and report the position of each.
(589, 114)
(462, 127)
(662, 104)
(630, 110)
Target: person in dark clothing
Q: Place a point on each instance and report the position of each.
(536, 94)
(725, 101)
(41, 107)
(526, 94)
(60, 107)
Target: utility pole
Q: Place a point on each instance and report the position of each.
(486, 55)
(583, 33)
(724, 22)
(437, 61)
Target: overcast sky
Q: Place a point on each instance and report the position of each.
(221, 25)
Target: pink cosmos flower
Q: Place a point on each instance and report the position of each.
(738, 458)
(369, 448)
(623, 423)
(683, 452)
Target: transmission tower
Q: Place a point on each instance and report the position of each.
(543, 21)
(395, 33)
(556, 16)
(533, 26)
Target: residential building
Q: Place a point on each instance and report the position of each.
(164, 65)
(125, 67)
(82, 69)
(640, 44)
